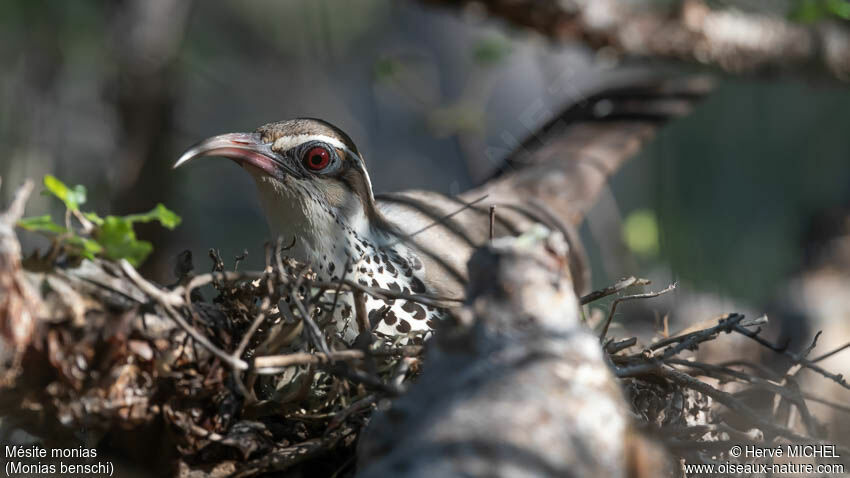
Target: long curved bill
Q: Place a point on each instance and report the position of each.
(244, 148)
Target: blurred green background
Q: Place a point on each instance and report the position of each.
(108, 94)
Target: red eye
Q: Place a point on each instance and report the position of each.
(317, 158)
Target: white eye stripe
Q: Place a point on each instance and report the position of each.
(285, 143)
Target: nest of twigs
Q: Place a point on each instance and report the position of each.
(257, 380)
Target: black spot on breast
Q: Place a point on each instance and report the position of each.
(363, 270)
(390, 318)
(367, 259)
(376, 315)
(417, 285)
(403, 326)
(346, 311)
(331, 267)
(381, 270)
(393, 286)
(416, 310)
(375, 284)
(362, 282)
(391, 269)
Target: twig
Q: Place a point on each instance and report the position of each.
(313, 332)
(360, 314)
(271, 364)
(616, 302)
(261, 317)
(838, 406)
(691, 340)
(439, 220)
(831, 353)
(492, 222)
(615, 347)
(384, 294)
(790, 393)
(837, 378)
(622, 284)
(735, 405)
(204, 279)
(164, 300)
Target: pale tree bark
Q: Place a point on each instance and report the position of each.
(727, 37)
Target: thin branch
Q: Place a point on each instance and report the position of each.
(249, 334)
(831, 353)
(738, 407)
(837, 378)
(616, 302)
(272, 364)
(164, 300)
(610, 290)
(442, 219)
(492, 222)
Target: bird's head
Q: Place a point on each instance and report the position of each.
(310, 176)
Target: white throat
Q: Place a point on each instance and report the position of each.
(325, 237)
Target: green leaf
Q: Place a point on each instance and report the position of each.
(113, 236)
(94, 218)
(72, 197)
(119, 241)
(83, 246)
(41, 224)
(86, 247)
(165, 216)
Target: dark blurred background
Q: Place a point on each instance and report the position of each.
(108, 94)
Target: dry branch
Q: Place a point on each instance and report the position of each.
(723, 36)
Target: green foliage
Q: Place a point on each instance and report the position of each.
(810, 11)
(41, 224)
(72, 197)
(112, 237)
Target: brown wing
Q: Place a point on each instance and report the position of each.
(553, 178)
(565, 165)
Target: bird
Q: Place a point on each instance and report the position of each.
(315, 190)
